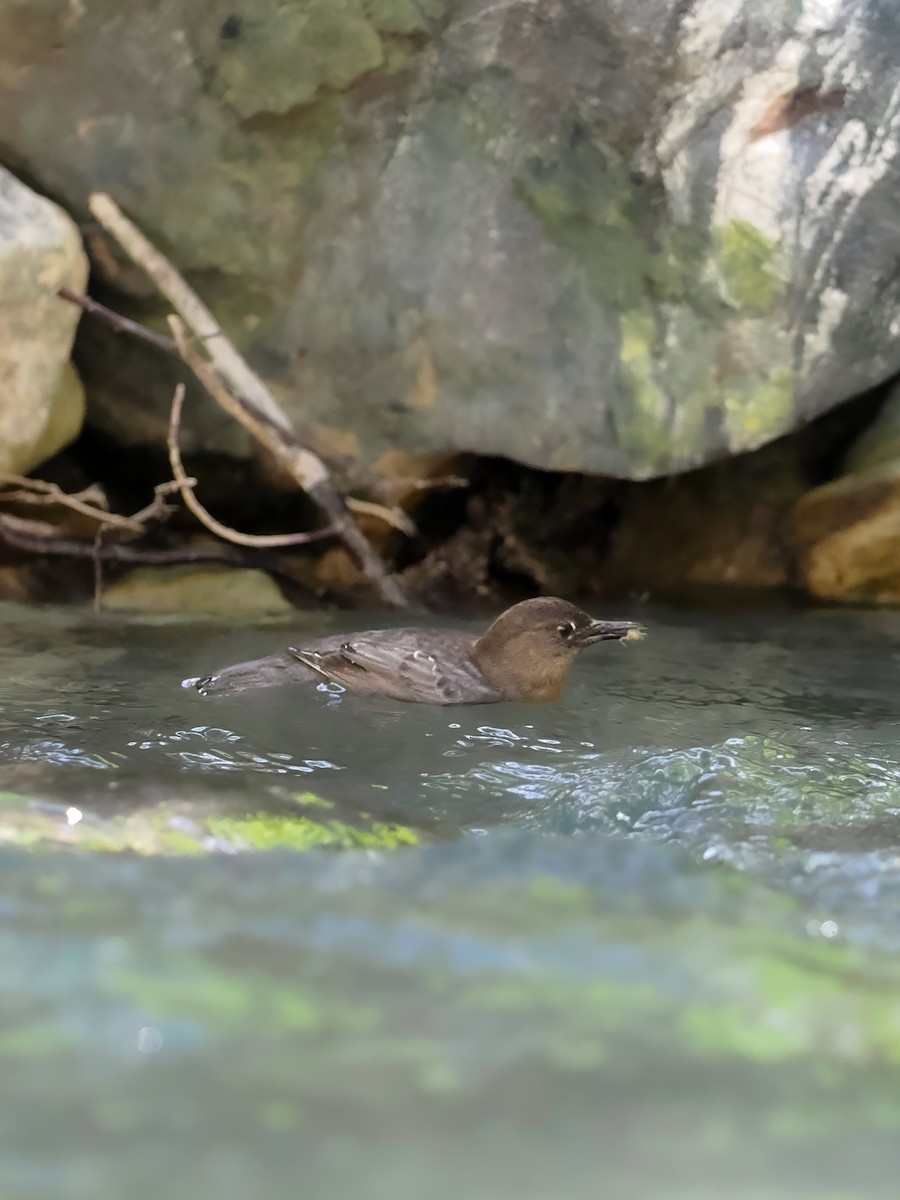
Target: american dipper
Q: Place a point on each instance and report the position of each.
(524, 655)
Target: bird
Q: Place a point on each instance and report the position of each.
(524, 655)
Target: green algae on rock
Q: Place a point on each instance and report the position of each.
(170, 828)
(746, 262)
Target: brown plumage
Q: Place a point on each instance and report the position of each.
(524, 655)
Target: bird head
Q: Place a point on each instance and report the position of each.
(527, 651)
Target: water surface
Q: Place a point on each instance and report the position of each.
(641, 943)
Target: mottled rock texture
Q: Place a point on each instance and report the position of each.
(41, 399)
(610, 235)
(197, 591)
(846, 533)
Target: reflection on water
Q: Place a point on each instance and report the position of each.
(646, 947)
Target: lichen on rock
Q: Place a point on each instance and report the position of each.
(492, 201)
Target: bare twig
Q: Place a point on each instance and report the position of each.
(300, 463)
(248, 398)
(39, 491)
(441, 481)
(42, 538)
(98, 567)
(186, 486)
(158, 509)
(390, 514)
(27, 527)
(117, 322)
(185, 301)
(394, 517)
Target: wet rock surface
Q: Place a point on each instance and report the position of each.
(485, 954)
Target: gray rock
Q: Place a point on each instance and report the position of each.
(607, 235)
(41, 399)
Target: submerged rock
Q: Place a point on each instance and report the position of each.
(194, 827)
(41, 399)
(197, 591)
(619, 238)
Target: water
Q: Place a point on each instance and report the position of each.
(642, 943)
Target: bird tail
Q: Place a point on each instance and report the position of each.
(246, 676)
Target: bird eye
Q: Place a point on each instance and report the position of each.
(566, 631)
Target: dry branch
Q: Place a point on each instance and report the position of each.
(188, 304)
(300, 463)
(242, 393)
(186, 487)
(389, 514)
(395, 517)
(39, 491)
(158, 509)
(117, 322)
(39, 537)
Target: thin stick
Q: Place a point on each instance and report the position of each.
(27, 526)
(117, 322)
(186, 486)
(233, 377)
(39, 491)
(98, 567)
(22, 535)
(158, 509)
(300, 463)
(185, 301)
(393, 516)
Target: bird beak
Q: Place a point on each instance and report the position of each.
(608, 631)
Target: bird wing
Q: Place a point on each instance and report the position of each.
(395, 666)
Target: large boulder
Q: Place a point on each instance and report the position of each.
(41, 399)
(610, 235)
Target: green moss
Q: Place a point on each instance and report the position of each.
(17, 835)
(652, 427)
(584, 197)
(404, 16)
(286, 52)
(675, 270)
(560, 897)
(284, 55)
(311, 800)
(637, 354)
(589, 202)
(171, 829)
(156, 833)
(644, 431)
(38, 1041)
(669, 279)
(746, 262)
(790, 1007)
(755, 409)
(267, 832)
(251, 221)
